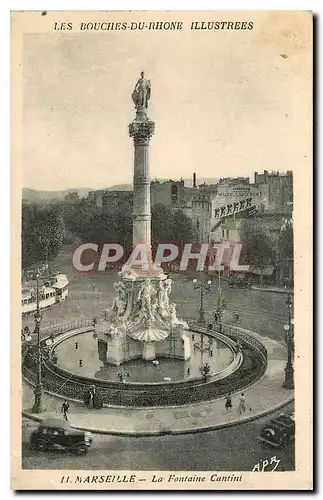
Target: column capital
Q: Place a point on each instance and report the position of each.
(141, 132)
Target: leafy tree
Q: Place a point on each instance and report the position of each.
(171, 226)
(43, 232)
(44, 228)
(258, 245)
(114, 224)
(78, 218)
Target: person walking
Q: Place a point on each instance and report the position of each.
(242, 404)
(65, 408)
(228, 402)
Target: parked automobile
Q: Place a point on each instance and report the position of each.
(239, 282)
(54, 433)
(279, 431)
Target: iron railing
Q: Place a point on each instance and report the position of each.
(73, 386)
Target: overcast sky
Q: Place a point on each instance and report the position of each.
(224, 103)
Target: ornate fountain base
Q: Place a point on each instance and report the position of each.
(149, 352)
(142, 321)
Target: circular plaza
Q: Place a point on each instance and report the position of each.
(76, 361)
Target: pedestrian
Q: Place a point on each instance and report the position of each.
(236, 317)
(91, 399)
(242, 404)
(188, 372)
(65, 408)
(228, 402)
(93, 286)
(92, 393)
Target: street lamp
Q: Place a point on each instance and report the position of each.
(202, 347)
(38, 407)
(205, 287)
(220, 303)
(289, 339)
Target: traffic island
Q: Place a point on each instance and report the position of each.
(262, 397)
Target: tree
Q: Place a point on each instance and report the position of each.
(171, 226)
(43, 232)
(114, 224)
(78, 218)
(258, 245)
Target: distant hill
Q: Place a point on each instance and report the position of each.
(35, 196)
(119, 187)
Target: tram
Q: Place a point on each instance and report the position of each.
(53, 291)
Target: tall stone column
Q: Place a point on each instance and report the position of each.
(141, 314)
(141, 130)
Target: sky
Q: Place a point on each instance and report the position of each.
(224, 103)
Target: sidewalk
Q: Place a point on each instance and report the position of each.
(263, 397)
(274, 289)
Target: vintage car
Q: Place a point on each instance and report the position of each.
(279, 431)
(239, 282)
(54, 433)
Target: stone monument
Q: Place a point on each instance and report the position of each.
(141, 317)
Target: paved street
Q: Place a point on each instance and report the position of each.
(259, 311)
(233, 448)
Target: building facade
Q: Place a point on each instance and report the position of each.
(278, 188)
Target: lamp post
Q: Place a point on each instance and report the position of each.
(205, 287)
(220, 303)
(200, 346)
(289, 339)
(38, 406)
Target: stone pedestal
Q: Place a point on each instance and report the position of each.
(187, 347)
(149, 352)
(116, 350)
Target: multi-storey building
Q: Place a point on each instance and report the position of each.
(278, 188)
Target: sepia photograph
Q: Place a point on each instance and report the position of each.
(161, 250)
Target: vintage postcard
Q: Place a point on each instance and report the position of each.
(161, 250)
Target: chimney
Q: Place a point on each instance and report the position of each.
(194, 180)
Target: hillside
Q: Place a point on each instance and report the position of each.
(35, 195)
